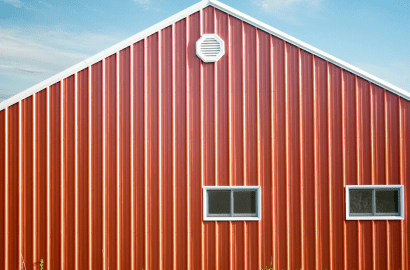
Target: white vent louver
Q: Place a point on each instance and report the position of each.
(210, 48)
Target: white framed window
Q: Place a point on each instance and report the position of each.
(374, 202)
(231, 203)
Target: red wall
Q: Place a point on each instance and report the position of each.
(104, 170)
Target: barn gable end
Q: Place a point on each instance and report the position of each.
(103, 164)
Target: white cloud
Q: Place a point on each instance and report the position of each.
(52, 48)
(45, 4)
(148, 5)
(18, 69)
(143, 2)
(288, 9)
(32, 54)
(272, 5)
(16, 3)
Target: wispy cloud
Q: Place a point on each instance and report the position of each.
(32, 54)
(143, 2)
(396, 72)
(4, 95)
(271, 5)
(16, 3)
(148, 4)
(28, 6)
(45, 4)
(21, 70)
(287, 9)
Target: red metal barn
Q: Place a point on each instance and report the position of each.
(103, 165)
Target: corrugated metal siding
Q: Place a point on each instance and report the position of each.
(104, 170)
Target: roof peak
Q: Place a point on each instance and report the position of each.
(183, 14)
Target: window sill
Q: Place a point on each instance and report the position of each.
(374, 218)
(232, 218)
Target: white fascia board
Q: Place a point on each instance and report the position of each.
(181, 15)
(99, 56)
(311, 49)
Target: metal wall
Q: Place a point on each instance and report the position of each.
(104, 170)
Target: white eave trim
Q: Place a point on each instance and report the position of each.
(181, 15)
(311, 49)
(99, 56)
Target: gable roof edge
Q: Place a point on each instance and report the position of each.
(298, 43)
(182, 14)
(105, 53)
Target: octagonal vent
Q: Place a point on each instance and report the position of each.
(210, 48)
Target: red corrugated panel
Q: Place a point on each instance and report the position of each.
(138, 252)
(292, 156)
(394, 244)
(166, 146)
(82, 170)
(195, 258)
(350, 166)
(250, 136)
(321, 125)
(208, 141)
(3, 157)
(95, 167)
(26, 181)
(264, 146)
(68, 175)
(40, 178)
(336, 186)
(277, 62)
(12, 188)
(54, 177)
(307, 159)
(110, 163)
(236, 133)
(404, 108)
(364, 167)
(104, 170)
(222, 136)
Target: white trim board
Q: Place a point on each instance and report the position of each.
(205, 204)
(183, 14)
(376, 217)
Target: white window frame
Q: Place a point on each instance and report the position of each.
(232, 218)
(375, 217)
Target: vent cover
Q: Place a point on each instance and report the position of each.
(210, 48)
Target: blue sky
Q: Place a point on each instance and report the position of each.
(39, 39)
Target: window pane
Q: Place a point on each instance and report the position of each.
(244, 202)
(361, 201)
(219, 201)
(387, 201)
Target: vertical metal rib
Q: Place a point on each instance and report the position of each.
(303, 248)
(330, 176)
(133, 180)
(48, 261)
(62, 185)
(105, 176)
(91, 234)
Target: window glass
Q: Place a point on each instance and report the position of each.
(387, 201)
(361, 201)
(219, 201)
(244, 202)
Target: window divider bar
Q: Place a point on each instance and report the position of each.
(231, 202)
(374, 201)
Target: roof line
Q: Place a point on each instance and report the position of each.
(269, 29)
(101, 55)
(184, 13)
